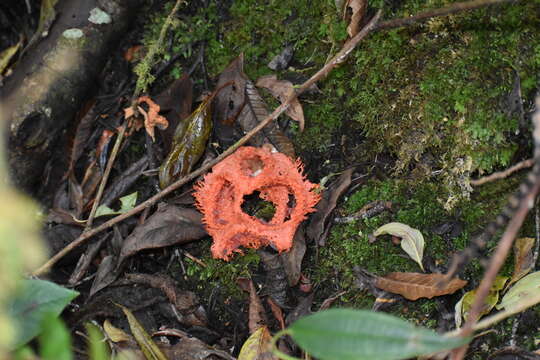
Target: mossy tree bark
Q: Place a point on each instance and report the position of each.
(54, 77)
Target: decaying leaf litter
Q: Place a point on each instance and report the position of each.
(238, 108)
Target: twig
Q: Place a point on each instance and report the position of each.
(503, 174)
(444, 11)
(497, 260)
(537, 232)
(507, 239)
(114, 152)
(142, 84)
(338, 59)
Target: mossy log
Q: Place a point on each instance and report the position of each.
(55, 76)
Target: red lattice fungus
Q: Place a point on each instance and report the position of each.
(276, 178)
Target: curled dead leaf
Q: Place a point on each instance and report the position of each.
(281, 90)
(413, 286)
(412, 240)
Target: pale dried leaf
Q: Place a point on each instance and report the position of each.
(527, 287)
(412, 240)
(146, 344)
(281, 90)
(413, 286)
(257, 313)
(257, 346)
(358, 11)
(116, 334)
(523, 258)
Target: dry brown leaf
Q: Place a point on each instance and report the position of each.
(523, 258)
(281, 90)
(169, 225)
(257, 313)
(357, 13)
(318, 225)
(413, 286)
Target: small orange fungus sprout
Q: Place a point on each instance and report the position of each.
(276, 177)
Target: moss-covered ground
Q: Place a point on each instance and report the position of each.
(421, 109)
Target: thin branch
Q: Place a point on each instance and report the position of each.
(336, 60)
(112, 158)
(444, 11)
(496, 262)
(531, 186)
(503, 174)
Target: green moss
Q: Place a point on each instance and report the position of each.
(221, 273)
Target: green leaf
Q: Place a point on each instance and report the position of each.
(412, 240)
(256, 345)
(528, 286)
(54, 341)
(464, 305)
(7, 54)
(31, 305)
(126, 203)
(343, 334)
(148, 347)
(97, 347)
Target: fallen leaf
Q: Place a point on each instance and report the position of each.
(126, 204)
(277, 312)
(124, 181)
(292, 259)
(523, 258)
(85, 260)
(241, 103)
(92, 179)
(413, 286)
(317, 224)
(281, 90)
(7, 54)
(76, 196)
(184, 301)
(257, 313)
(146, 344)
(102, 146)
(230, 101)
(412, 240)
(257, 346)
(47, 15)
(528, 286)
(282, 60)
(255, 112)
(175, 104)
(85, 120)
(189, 144)
(302, 309)
(106, 274)
(169, 225)
(358, 11)
(464, 305)
(116, 334)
